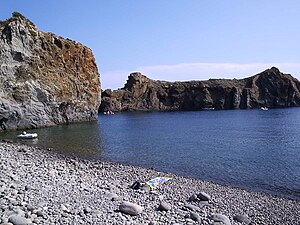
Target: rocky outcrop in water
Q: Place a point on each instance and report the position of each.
(271, 88)
(44, 79)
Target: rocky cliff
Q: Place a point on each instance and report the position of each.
(271, 88)
(44, 79)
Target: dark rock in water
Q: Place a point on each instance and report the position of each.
(44, 79)
(271, 88)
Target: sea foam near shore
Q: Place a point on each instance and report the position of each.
(42, 187)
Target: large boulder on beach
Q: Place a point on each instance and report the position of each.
(130, 208)
(164, 206)
(19, 220)
(221, 218)
(203, 196)
(44, 79)
(242, 218)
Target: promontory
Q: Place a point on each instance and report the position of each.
(270, 88)
(44, 79)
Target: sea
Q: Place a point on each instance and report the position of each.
(250, 149)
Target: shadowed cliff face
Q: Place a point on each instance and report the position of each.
(44, 79)
(270, 88)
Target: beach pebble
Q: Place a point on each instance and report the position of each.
(95, 212)
(192, 207)
(130, 208)
(18, 220)
(27, 188)
(220, 218)
(203, 196)
(164, 206)
(195, 217)
(146, 188)
(242, 219)
(136, 185)
(29, 207)
(202, 204)
(112, 196)
(181, 212)
(4, 220)
(40, 213)
(193, 198)
(87, 210)
(64, 208)
(152, 223)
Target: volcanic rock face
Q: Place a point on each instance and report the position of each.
(44, 79)
(270, 88)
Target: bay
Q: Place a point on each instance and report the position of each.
(251, 149)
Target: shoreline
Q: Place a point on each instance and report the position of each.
(45, 187)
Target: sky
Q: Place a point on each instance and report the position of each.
(174, 40)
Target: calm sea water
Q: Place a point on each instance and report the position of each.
(252, 149)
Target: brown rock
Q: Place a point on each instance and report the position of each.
(44, 79)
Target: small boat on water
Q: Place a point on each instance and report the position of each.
(24, 135)
(208, 108)
(264, 108)
(109, 113)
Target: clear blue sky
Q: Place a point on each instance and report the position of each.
(174, 39)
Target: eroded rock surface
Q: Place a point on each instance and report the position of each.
(271, 88)
(44, 79)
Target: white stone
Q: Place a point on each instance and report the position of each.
(130, 208)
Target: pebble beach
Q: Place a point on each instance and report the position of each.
(39, 186)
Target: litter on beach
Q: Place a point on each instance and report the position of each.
(153, 183)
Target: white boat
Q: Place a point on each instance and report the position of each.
(24, 135)
(264, 108)
(109, 113)
(208, 108)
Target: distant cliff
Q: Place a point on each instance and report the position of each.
(44, 79)
(271, 88)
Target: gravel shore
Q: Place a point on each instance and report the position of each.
(42, 187)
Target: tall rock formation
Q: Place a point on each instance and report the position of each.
(44, 79)
(270, 88)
